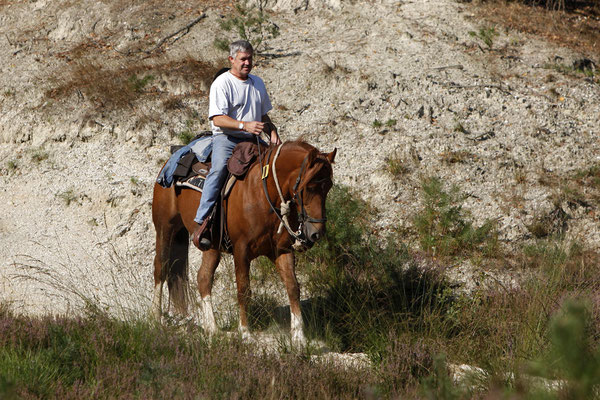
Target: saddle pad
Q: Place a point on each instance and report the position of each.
(197, 183)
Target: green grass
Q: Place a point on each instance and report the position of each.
(189, 133)
(39, 155)
(138, 84)
(11, 166)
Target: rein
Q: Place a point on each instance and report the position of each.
(283, 213)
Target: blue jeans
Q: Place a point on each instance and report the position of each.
(222, 147)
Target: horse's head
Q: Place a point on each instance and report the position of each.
(309, 191)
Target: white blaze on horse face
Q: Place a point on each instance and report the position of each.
(208, 316)
(297, 330)
(157, 302)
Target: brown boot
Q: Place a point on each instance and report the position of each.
(199, 237)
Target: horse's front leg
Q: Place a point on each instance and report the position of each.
(206, 276)
(242, 278)
(286, 266)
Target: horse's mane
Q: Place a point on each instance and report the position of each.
(300, 143)
(315, 156)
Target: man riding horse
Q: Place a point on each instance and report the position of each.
(278, 208)
(238, 107)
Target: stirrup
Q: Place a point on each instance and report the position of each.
(199, 236)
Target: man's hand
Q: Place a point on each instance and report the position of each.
(254, 127)
(275, 138)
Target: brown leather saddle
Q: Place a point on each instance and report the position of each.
(191, 174)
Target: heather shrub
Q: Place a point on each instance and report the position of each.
(98, 356)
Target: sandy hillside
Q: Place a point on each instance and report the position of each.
(379, 80)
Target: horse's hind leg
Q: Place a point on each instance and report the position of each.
(285, 267)
(242, 278)
(206, 276)
(160, 260)
(171, 264)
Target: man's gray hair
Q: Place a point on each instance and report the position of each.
(240, 45)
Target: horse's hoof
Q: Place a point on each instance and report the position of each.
(245, 334)
(299, 341)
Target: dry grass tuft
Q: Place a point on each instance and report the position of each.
(110, 87)
(575, 24)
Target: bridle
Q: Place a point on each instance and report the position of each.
(297, 199)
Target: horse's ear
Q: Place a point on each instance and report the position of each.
(331, 156)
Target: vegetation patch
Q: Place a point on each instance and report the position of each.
(396, 166)
(486, 34)
(458, 156)
(366, 294)
(96, 356)
(580, 188)
(108, 87)
(444, 227)
(570, 23)
(250, 22)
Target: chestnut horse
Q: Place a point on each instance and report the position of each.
(285, 189)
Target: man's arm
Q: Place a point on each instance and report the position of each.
(254, 127)
(270, 129)
(225, 121)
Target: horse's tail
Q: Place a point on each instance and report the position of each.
(171, 259)
(177, 272)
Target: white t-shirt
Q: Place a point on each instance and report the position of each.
(241, 100)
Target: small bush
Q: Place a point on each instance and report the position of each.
(486, 35)
(444, 228)
(189, 133)
(396, 166)
(589, 177)
(11, 166)
(39, 155)
(138, 84)
(573, 356)
(68, 197)
(251, 23)
(460, 156)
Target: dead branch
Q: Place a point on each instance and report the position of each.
(457, 66)
(485, 85)
(185, 28)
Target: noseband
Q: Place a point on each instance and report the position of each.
(282, 213)
(303, 215)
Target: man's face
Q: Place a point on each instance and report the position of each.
(241, 65)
